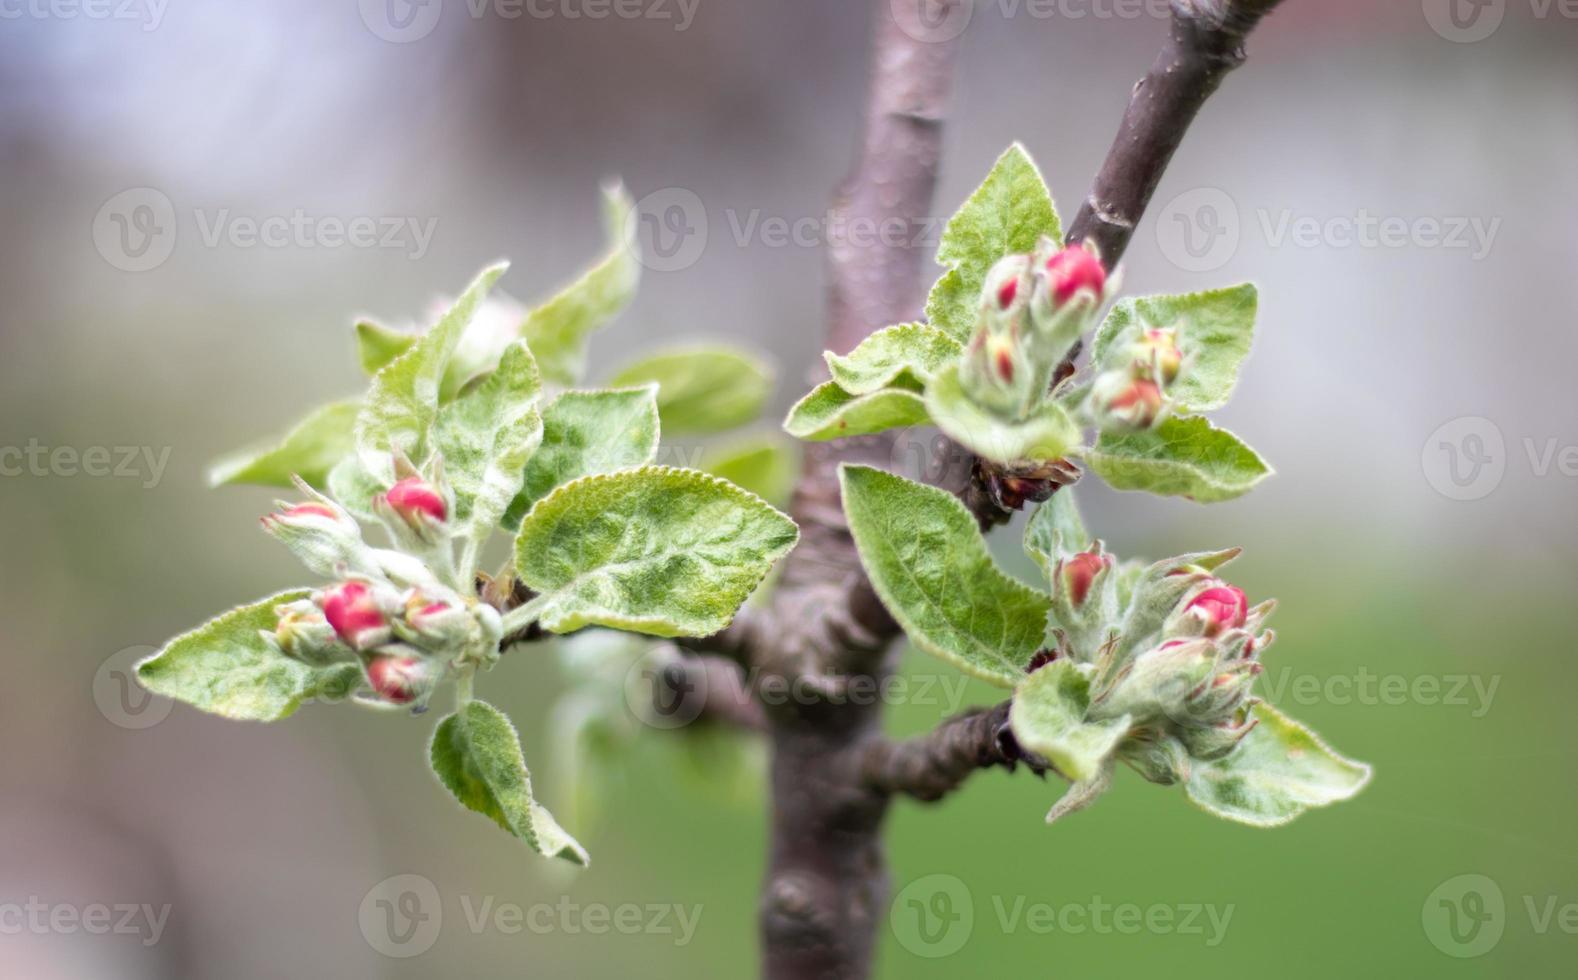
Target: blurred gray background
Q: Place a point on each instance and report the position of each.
(1400, 185)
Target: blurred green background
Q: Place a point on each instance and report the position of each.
(267, 842)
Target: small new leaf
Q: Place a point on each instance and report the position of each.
(1181, 457)
(585, 433)
(1047, 434)
(830, 412)
(487, 435)
(906, 355)
(310, 451)
(377, 345)
(477, 756)
(1277, 772)
(704, 390)
(654, 550)
(764, 466)
(558, 330)
(1214, 332)
(227, 668)
(1048, 718)
(927, 561)
(1008, 213)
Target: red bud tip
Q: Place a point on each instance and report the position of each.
(1221, 607)
(394, 678)
(351, 610)
(412, 496)
(1005, 365)
(1074, 269)
(1007, 292)
(1080, 571)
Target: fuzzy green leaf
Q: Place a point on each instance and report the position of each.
(1181, 457)
(928, 562)
(1214, 332)
(703, 390)
(830, 412)
(1277, 772)
(477, 756)
(764, 466)
(1047, 434)
(585, 433)
(1048, 718)
(655, 550)
(309, 450)
(377, 345)
(1055, 531)
(227, 668)
(558, 330)
(1008, 213)
(355, 488)
(906, 355)
(486, 437)
(402, 402)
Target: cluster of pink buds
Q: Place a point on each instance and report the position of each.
(1132, 393)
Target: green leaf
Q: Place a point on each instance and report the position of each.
(585, 433)
(558, 330)
(1277, 772)
(1048, 718)
(906, 355)
(763, 466)
(928, 562)
(377, 345)
(477, 756)
(702, 390)
(1181, 457)
(486, 437)
(226, 667)
(402, 402)
(309, 450)
(655, 550)
(1008, 213)
(830, 412)
(1047, 434)
(1055, 531)
(355, 488)
(1214, 333)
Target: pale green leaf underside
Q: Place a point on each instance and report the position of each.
(1008, 213)
(703, 390)
(765, 467)
(558, 330)
(1048, 433)
(1181, 457)
(654, 550)
(1277, 772)
(906, 355)
(1055, 531)
(830, 412)
(402, 401)
(477, 755)
(1214, 331)
(585, 433)
(1048, 718)
(226, 668)
(486, 437)
(309, 450)
(377, 345)
(927, 561)
(354, 487)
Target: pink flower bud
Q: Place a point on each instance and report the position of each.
(413, 496)
(1007, 292)
(1125, 401)
(355, 615)
(1072, 270)
(1219, 607)
(1158, 350)
(397, 679)
(1080, 571)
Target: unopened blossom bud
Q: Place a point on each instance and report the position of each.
(1222, 694)
(356, 614)
(436, 623)
(1007, 284)
(414, 510)
(1080, 571)
(1216, 740)
(997, 372)
(1075, 270)
(1157, 354)
(1218, 608)
(303, 632)
(1118, 400)
(320, 533)
(398, 678)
